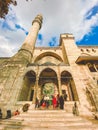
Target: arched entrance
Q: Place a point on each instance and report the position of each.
(48, 83)
(27, 90)
(68, 86)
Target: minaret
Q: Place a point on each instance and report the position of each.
(30, 40)
(26, 51)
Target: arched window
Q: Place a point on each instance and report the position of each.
(91, 67)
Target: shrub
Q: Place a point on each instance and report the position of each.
(25, 107)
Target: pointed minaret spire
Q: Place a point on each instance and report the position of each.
(30, 40)
(26, 51)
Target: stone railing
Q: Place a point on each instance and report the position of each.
(93, 89)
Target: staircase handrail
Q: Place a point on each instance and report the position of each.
(92, 94)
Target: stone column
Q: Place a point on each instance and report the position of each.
(59, 81)
(30, 40)
(36, 86)
(35, 90)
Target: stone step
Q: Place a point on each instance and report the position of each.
(46, 123)
(46, 120)
(49, 116)
(46, 116)
(18, 122)
(58, 124)
(50, 126)
(49, 119)
(47, 113)
(68, 105)
(47, 128)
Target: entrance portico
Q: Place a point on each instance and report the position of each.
(46, 81)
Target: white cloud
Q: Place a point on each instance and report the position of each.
(85, 27)
(59, 16)
(5, 48)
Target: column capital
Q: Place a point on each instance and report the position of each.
(39, 19)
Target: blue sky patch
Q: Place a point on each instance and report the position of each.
(93, 11)
(5, 25)
(19, 27)
(53, 42)
(26, 33)
(40, 37)
(90, 39)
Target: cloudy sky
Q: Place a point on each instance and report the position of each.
(79, 17)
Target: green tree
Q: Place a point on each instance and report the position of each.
(4, 7)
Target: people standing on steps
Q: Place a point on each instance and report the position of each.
(37, 103)
(46, 99)
(41, 101)
(54, 102)
(58, 103)
(0, 113)
(61, 101)
(65, 96)
(16, 112)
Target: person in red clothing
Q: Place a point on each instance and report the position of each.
(16, 113)
(54, 102)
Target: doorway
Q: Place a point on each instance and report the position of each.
(68, 86)
(48, 82)
(27, 90)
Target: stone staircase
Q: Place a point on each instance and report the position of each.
(47, 120)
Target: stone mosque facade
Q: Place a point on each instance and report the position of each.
(36, 71)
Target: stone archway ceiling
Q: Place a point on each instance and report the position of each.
(31, 76)
(48, 75)
(48, 60)
(48, 54)
(65, 77)
(48, 63)
(66, 73)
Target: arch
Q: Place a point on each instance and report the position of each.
(48, 82)
(65, 75)
(68, 86)
(48, 54)
(31, 75)
(27, 91)
(48, 75)
(28, 69)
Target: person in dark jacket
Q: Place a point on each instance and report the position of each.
(65, 96)
(0, 114)
(37, 103)
(61, 101)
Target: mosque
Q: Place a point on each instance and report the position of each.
(36, 71)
